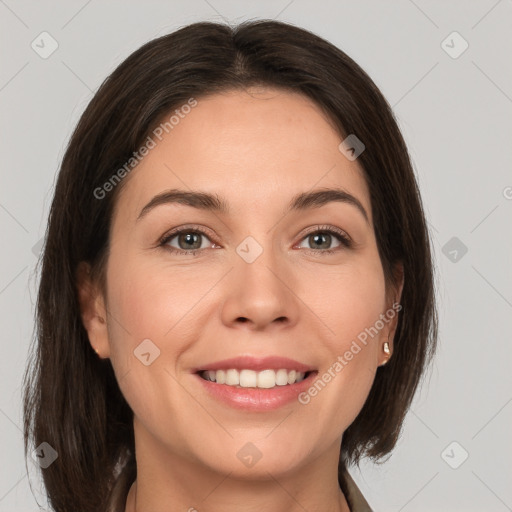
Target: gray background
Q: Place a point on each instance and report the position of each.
(455, 114)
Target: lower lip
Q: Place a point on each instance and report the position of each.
(257, 399)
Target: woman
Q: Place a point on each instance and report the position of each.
(236, 299)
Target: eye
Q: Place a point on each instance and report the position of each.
(188, 240)
(322, 237)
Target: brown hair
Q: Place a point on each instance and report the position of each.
(71, 398)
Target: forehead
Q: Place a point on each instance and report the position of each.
(255, 148)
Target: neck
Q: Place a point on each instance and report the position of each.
(133, 505)
(228, 494)
(170, 480)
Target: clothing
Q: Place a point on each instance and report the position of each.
(353, 495)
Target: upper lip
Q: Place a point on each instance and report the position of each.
(256, 364)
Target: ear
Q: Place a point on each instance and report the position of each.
(92, 310)
(393, 304)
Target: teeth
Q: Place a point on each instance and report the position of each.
(281, 377)
(248, 378)
(265, 379)
(232, 378)
(219, 376)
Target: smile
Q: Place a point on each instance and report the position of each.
(266, 379)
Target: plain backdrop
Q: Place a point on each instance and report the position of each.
(444, 66)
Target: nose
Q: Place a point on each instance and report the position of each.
(261, 295)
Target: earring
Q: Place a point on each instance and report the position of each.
(387, 352)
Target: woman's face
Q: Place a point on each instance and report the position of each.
(264, 280)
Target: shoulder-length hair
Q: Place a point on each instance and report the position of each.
(71, 398)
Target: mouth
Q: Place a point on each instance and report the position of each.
(247, 378)
(259, 392)
(255, 372)
(258, 384)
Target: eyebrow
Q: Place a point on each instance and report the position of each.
(214, 203)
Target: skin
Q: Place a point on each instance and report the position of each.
(256, 149)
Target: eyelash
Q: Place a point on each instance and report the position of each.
(340, 235)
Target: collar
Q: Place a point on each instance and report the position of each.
(353, 495)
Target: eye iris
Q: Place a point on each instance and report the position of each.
(318, 236)
(189, 239)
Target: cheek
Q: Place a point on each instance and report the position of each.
(148, 304)
(151, 300)
(348, 299)
(143, 308)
